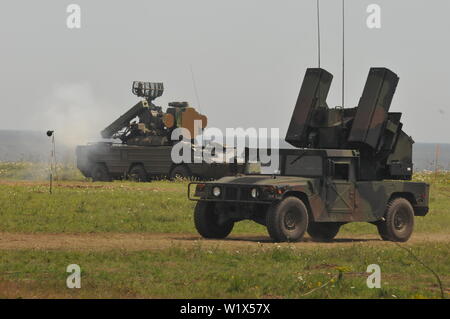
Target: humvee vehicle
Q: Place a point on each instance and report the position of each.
(350, 165)
(146, 145)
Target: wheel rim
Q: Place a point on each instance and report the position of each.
(291, 219)
(400, 220)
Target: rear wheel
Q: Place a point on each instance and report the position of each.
(180, 172)
(208, 223)
(323, 231)
(287, 220)
(99, 173)
(138, 174)
(398, 223)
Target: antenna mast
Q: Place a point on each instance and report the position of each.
(343, 53)
(318, 31)
(195, 87)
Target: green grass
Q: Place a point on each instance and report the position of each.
(199, 271)
(100, 207)
(38, 171)
(204, 273)
(159, 206)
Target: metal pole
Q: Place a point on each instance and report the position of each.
(51, 167)
(436, 160)
(52, 159)
(343, 53)
(54, 155)
(318, 31)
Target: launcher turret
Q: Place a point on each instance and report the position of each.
(143, 109)
(385, 150)
(153, 126)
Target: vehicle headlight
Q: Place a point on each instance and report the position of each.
(216, 191)
(254, 192)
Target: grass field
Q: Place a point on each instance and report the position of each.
(138, 240)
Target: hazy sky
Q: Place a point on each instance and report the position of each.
(248, 57)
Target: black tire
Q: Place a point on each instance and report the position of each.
(138, 174)
(99, 173)
(180, 172)
(207, 222)
(398, 223)
(287, 220)
(323, 231)
(382, 230)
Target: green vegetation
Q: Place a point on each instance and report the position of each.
(99, 207)
(159, 206)
(199, 269)
(287, 272)
(38, 171)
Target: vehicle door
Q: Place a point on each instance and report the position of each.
(340, 186)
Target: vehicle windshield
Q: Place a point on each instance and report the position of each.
(303, 165)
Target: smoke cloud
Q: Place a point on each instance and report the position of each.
(74, 113)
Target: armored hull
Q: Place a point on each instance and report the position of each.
(117, 161)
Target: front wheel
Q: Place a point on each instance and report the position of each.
(138, 174)
(179, 172)
(287, 220)
(100, 173)
(208, 223)
(398, 223)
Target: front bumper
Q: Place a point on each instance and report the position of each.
(233, 193)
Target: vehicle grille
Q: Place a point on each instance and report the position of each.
(245, 193)
(231, 193)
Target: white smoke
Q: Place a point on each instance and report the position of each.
(74, 113)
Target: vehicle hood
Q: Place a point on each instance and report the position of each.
(263, 180)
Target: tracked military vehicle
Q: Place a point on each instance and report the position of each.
(146, 144)
(349, 165)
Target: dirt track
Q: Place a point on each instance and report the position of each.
(134, 241)
(84, 185)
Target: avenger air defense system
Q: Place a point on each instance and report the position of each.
(146, 144)
(348, 165)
